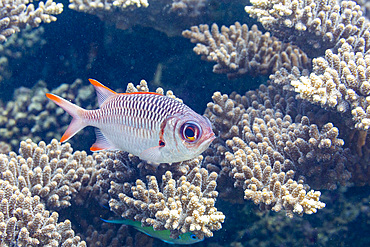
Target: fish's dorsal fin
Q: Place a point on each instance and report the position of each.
(102, 142)
(102, 91)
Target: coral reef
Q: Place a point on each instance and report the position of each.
(168, 16)
(277, 146)
(272, 121)
(17, 47)
(94, 7)
(238, 50)
(341, 82)
(16, 15)
(270, 155)
(51, 171)
(259, 171)
(4, 148)
(314, 25)
(183, 205)
(25, 222)
(365, 7)
(31, 115)
(192, 8)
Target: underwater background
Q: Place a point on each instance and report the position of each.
(78, 46)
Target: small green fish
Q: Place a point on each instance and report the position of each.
(164, 235)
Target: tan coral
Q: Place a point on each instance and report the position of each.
(183, 205)
(267, 185)
(25, 222)
(32, 115)
(96, 6)
(51, 171)
(16, 14)
(238, 50)
(314, 25)
(270, 120)
(191, 8)
(340, 81)
(169, 16)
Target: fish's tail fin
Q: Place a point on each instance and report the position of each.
(75, 111)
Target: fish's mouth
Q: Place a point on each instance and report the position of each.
(209, 138)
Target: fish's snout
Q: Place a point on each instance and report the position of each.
(211, 136)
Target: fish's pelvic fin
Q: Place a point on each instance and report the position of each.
(101, 143)
(152, 154)
(75, 111)
(102, 91)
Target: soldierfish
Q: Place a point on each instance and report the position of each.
(164, 235)
(154, 127)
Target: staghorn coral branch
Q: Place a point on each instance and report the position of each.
(238, 50)
(261, 144)
(314, 25)
(182, 205)
(16, 14)
(25, 222)
(51, 171)
(341, 82)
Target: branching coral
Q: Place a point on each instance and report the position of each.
(238, 50)
(18, 47)
(258, 134)
(31, 115)
(25, 222)
(190, 8)
(96, 6)
(183, 205)
(266, 184)
(169, 16)
(314, 25)
(16, 14)
(340, 81)
(51, 171)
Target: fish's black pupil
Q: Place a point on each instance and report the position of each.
(161, 143)
(189, 132)
(193, 236)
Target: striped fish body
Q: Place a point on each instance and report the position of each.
(154, 127)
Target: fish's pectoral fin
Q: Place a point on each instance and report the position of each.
(102, 91)
(101, 143)
(153, 154)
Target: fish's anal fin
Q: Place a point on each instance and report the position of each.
(152, 154)
(102, 91)
(101, 143)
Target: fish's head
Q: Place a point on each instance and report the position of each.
(185, 238)
(188, 135)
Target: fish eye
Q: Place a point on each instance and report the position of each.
(193, 236)
(190, 132)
